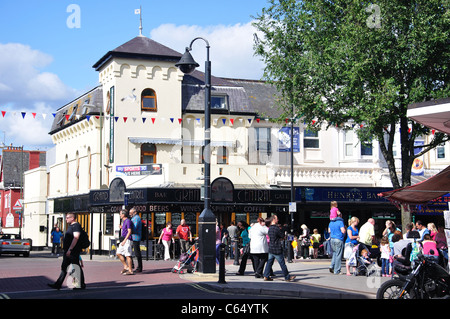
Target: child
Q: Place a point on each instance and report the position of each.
(316, 238)
(385, 253)
(295, 247)
(334, 210)
(429, 247)
(365, 256)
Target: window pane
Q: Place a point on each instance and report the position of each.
(348, 149)
(218, 102)
(311, 143)
(309, 133)
(440, 152)
(148, 103)
(366, 148)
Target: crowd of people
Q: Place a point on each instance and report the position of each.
(265, 241)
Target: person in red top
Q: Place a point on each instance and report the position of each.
(184, 233)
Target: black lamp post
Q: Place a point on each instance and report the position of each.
(207, 219)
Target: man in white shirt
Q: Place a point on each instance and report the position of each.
(367, 232)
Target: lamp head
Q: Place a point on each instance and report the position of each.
(187, 63)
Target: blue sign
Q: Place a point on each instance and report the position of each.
(340, 194)
(284, 139)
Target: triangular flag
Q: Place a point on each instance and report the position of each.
(54, 114)
(179, 121)
(143, 119)
(44, 115)
(134, 119)
(23, 114)
(3, 113)
(125, 119)
(257, 120)
(232, 121)
(116, 118)
(249, 121)
(153, 120)
(88, 117)
(34, 115)
(224, 121)
(171, 119)
(67, 117)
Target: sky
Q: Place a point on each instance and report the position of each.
(48, 48)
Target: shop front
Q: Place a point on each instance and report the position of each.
(157, 206)
(313, 206)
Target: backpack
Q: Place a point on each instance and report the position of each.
(84, 240)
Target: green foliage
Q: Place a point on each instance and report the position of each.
(361, 61)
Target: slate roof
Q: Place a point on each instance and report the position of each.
(89, 103)
(140, 47)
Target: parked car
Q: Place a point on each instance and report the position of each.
(12, 244)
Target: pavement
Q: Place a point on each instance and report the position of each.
(313, 279)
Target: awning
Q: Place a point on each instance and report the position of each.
(423, 192)
(143, 140)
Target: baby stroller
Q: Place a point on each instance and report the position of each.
(187, 261)
(364, 266)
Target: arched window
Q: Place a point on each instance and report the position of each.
(148, 153)
(148, 101)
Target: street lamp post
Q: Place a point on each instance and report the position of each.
(207, 219)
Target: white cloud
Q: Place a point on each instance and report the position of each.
(231, 51)
(26, 87)
(21, 78)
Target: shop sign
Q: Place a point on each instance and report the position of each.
(340, 194)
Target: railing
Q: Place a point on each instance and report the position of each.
(281, 175)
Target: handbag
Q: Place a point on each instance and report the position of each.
(348, 250)
(246, 249)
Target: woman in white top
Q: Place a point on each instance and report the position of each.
(259, 249)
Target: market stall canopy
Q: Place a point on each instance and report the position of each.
(423, 192)
(434, 114)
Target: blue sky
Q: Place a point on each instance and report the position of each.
(45, 61)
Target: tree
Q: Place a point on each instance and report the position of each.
(347, 61)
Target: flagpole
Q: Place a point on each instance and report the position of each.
(140, 18)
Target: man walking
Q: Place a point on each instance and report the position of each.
(72, 251)
(136, 236)
(184, 234)
(337, 235)
(124, 248)
(276, 236)
(233, 232)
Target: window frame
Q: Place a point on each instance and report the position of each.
(152, 97)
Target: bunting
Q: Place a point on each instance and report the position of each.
(174, 120)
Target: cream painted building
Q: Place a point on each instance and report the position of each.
(139, 136)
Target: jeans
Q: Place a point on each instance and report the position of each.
(385, 266)
(280, 259)
(338, 249)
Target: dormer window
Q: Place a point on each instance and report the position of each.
(219, 102)
(148, 101)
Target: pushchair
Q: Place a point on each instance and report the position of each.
(363, 266)
(187, 262)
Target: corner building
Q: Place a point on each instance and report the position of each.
(137, 139)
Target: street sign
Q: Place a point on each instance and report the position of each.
(292, 207)
(18, 205)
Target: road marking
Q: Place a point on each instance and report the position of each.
(3, 296)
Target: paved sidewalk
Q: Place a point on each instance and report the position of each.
(313, 280)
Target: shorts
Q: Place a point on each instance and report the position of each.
(124, 250)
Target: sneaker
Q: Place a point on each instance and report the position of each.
(290, 279)
(268, 279)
